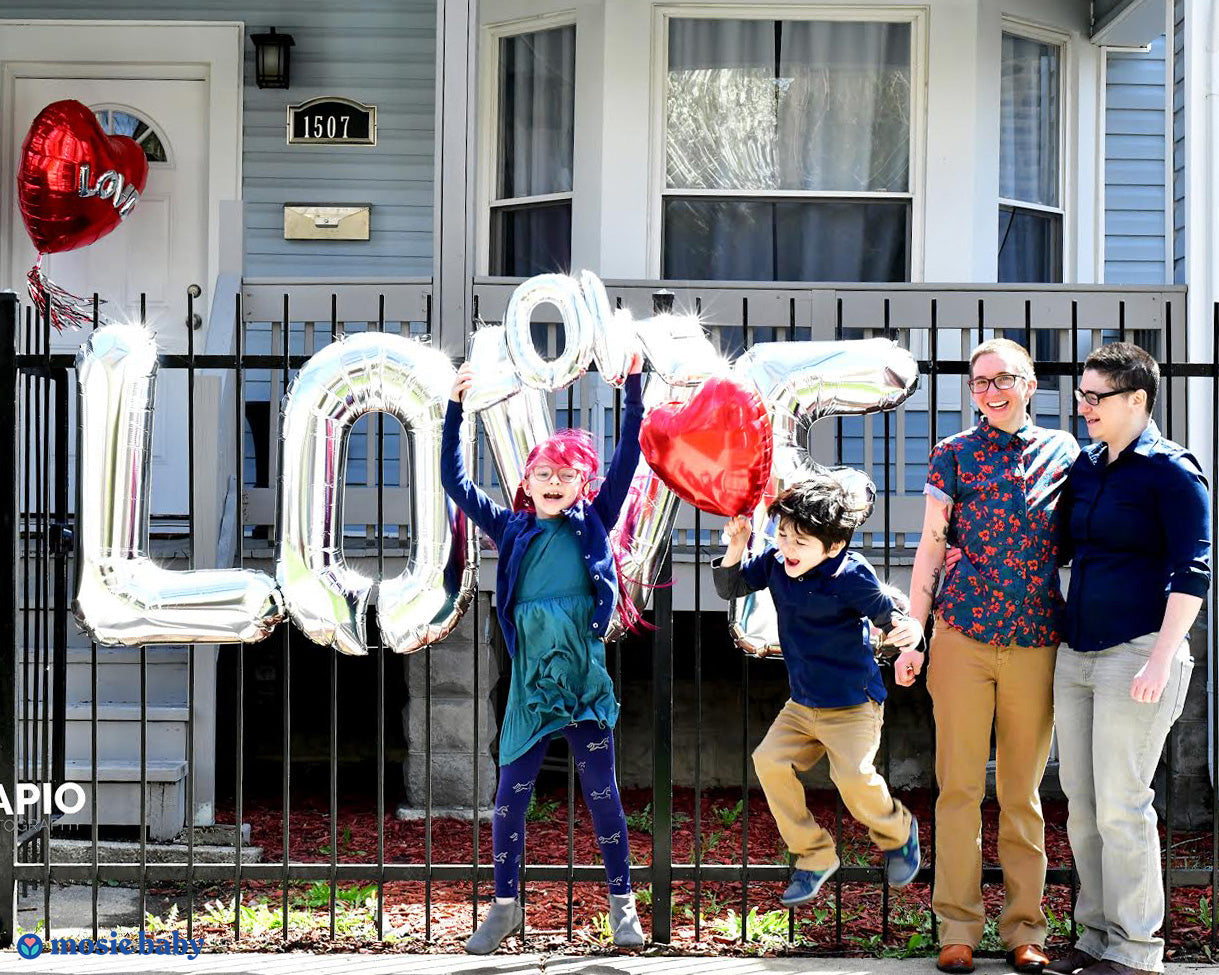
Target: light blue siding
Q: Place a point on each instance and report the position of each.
(1136, 195)
(380, 52)
(1178, 142)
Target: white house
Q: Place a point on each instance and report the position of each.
(789, 167)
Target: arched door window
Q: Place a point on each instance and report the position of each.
(122, 121)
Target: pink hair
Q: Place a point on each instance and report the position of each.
(567, 448)
(574, 448)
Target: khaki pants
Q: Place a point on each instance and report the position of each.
(974, 685)
(796, 741)
(1108, 747)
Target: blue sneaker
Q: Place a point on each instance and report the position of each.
(805, 885)
(901, 865)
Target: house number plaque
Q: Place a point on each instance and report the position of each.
(332, 121)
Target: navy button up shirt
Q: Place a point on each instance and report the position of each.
(823, 623)
(1138, 529)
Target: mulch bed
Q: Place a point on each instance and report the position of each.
(863, 906)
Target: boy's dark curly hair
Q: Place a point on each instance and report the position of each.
(819, 506)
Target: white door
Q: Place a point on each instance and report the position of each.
(159, 250)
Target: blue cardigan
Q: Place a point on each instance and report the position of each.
(512, 531)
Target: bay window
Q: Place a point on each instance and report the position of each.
(787, 150)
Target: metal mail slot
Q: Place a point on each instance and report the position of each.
(316, 221)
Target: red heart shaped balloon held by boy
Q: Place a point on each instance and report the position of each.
(714, 450)
(75, 183)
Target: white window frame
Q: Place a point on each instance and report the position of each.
(917, 17)
(488, 113)
(1067, 163)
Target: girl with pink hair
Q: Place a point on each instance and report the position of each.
(557, 585)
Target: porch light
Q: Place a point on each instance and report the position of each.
(272, 56)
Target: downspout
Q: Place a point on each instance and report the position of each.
(1201, 50)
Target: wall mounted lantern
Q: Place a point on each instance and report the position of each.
(272, 57)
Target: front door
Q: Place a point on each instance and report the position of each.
(158, 251)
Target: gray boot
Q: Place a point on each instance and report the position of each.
(501, 921)
(624, 921)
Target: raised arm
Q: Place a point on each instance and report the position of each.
(733, 578)
(621, 471)
(489, 516)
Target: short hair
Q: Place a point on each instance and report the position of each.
(819, 506)
(1004, 347)
(1128, 367)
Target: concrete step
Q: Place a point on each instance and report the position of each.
(118, 674)
(118, 732)
(114, 851)
(118, 795)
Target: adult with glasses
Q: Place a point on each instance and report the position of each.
(1137, 525)
(992, 491)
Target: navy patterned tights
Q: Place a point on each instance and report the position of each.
(592, 748)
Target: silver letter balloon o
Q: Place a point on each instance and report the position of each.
(122, 596)
(326, 597)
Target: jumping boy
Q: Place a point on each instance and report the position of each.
(824, 597)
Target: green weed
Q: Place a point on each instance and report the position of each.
(540, 812)
(728, 815)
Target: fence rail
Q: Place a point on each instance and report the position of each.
(276, 326)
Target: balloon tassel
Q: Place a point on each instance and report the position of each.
(62, 307)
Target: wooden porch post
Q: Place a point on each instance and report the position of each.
(453, 241)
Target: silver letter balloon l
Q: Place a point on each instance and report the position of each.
(122, 596)
(328, 598)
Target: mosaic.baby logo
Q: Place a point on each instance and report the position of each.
(31, 946)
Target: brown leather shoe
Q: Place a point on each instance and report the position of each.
(1071, 964)
(957, 959)
(1028, 958)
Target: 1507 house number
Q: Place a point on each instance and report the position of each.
(332, 121)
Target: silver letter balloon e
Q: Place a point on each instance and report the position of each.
(801, 383)
(123, 597)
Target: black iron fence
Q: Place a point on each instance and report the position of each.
(51, 682)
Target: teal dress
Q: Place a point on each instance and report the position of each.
(558, 671)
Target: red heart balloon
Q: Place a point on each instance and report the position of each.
(75, 183)
(713, 450)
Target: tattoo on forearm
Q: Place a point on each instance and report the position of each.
(934, 585)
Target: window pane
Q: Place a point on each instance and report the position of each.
(798, 105)
(1028, 119)
(531, 239)
(537, 85)
(1030, 246)
(753, 240)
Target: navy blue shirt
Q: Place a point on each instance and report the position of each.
(1138, 529)
(823, 623)
(512, 531)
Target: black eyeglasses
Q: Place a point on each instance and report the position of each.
(1093, 398)
(1004, 380)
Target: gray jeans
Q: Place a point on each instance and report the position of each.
(1108, 747)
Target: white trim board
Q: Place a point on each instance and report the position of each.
(135, 49)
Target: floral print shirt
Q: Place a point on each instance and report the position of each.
(1004, 490)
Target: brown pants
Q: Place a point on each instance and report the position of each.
(796, 741)
(974, 685)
